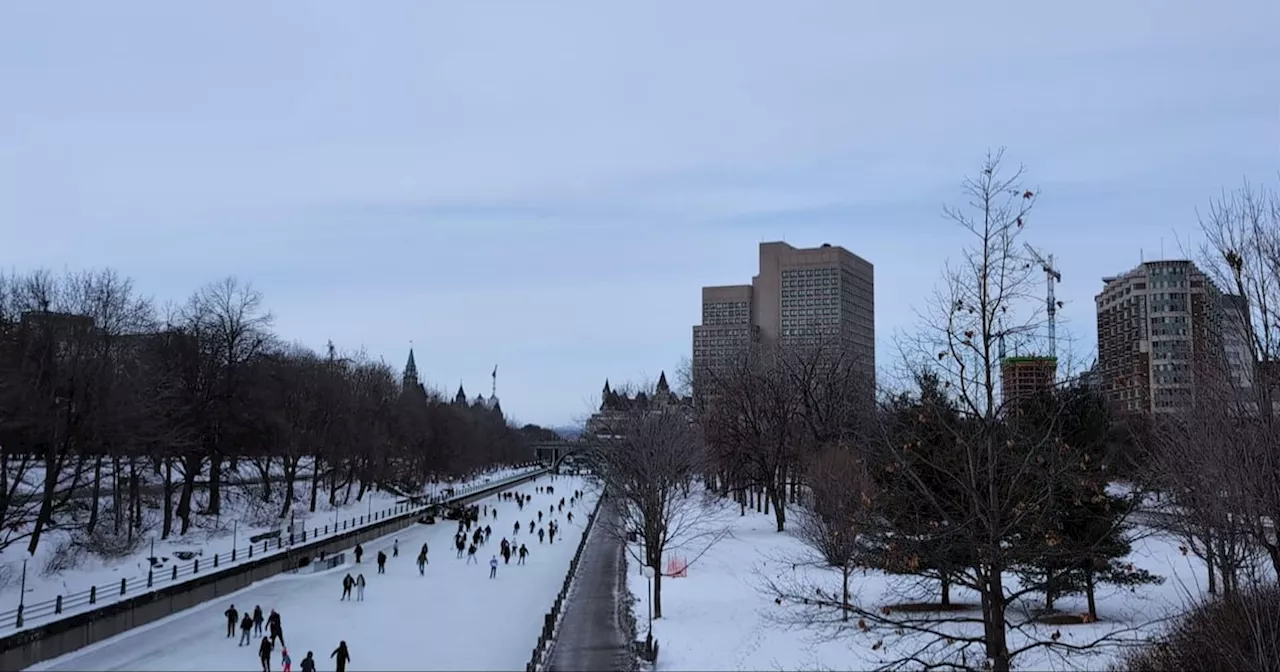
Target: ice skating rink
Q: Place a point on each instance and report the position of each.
(454, 618)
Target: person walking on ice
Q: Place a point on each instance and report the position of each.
(471, 554)
(523, 553)
(493, 567)
(257, 620)
(308, 664)
(422, 563)
(347, 584)
(382, 562)
(360, 588)
(285, 661)
(395, 548)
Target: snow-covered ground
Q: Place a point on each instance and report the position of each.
(245, 517)
(723, 616)
(454, 618)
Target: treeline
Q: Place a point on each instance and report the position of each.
(108, 403)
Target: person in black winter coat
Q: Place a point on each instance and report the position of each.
(341, 656)
(359, 552)
(347, 584)
(274, 627)
(524, 552)
(232, 617)
(308, 664)
(246, 626)
(264, 654)
(382, 562)
(257, 620)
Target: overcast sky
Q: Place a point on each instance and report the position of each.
(545, 186)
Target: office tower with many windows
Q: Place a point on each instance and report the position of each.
(799, 297)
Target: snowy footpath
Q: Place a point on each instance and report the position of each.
(455, 617)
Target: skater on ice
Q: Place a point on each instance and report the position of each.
(461, 543)
(471, 554)
(341, 656)
(569, 516)
(359, 552)
(395, 548)
(493, 567)
(360, 588)
(541, 534)
(264, 654)
(382, 562)
(347, 584)
(422, 563)
(257, 620)
(274, 627)
(524, 552)
(246, 627)
(539, 516)
(233, 617)
(515, 530)
(285, 661)
(308, 663)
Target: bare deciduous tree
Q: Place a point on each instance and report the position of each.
(648, 462)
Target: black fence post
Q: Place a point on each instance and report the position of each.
(215, 560)
(175, 573)
(17, 623)
(93, 595)
(150, 579)
(124, 585)
(250, 551)
(195, 567)
(233, 554)
(57, 605)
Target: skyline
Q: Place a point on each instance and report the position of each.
(547, 189)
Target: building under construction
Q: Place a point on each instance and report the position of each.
(1023, 377)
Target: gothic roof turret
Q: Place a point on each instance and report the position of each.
(662, 383)
(410, 371)
(461, 396)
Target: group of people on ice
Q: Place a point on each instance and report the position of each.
(251, 624)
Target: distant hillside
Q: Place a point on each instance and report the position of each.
(568, 433)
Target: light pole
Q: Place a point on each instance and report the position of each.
(648, 638)
(22, 592)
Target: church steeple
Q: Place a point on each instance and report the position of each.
(410, 380)
(662, 382)
(605, 395)
(461, 396)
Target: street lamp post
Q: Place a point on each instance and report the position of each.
(648, 638)
(22, 593)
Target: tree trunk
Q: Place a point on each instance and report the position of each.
(167, 527)
(1050, 593)
(52, 469)
(191, 467)
(779, 509)
(946, 590)
(315, 481)
(135, 499)
(117, 496)
(96, 492)
(1089, 594)
(215, 486)
(993, 608)
(845, 571)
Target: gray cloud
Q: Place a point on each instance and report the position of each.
(545, 185)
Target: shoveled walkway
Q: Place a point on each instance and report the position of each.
(590, 638)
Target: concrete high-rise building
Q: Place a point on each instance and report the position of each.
(799, 296)
(1156, 325)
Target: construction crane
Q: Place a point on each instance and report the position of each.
(1051, 276)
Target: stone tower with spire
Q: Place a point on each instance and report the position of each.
(410, 380)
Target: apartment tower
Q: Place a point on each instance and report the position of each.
(1024, 377)
(1155, 323)
(799, 296)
